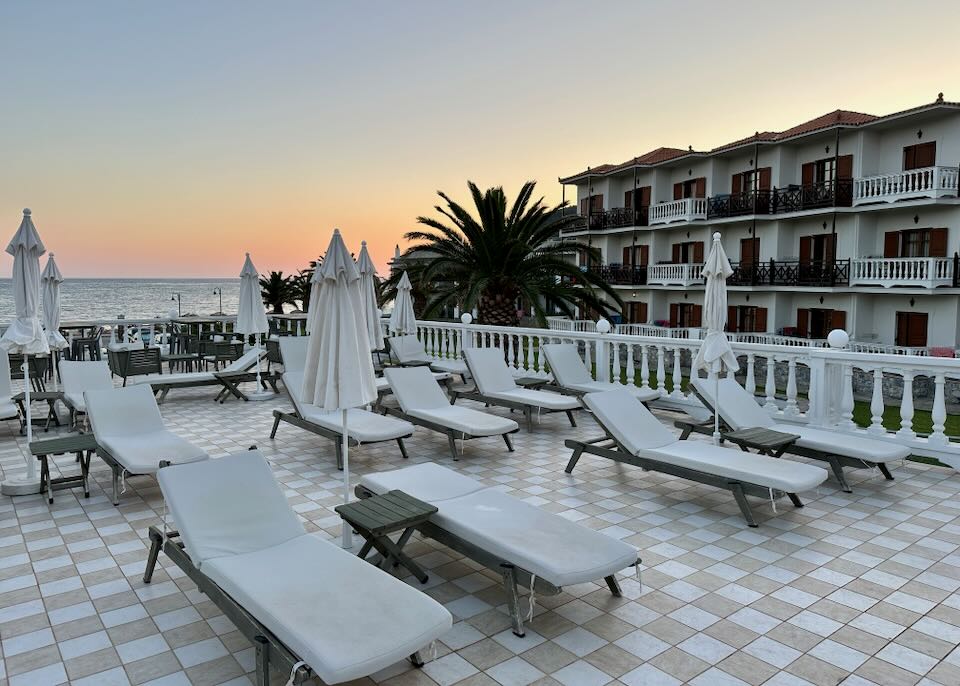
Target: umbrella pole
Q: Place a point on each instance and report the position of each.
(259, 393)
(716, 410)
(31, 466)
(347, 535)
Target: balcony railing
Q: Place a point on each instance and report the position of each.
(674, 274)
(688, 209)
(923, 272)
(836, 193)
(621, 274)
(821, 273)
(739, 204)
(928, 182)
(614, 218)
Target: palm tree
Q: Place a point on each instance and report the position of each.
(302, 283)
(492, 260)
(276, 291)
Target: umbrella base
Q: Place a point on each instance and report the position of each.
(261, 395)
(20, 486)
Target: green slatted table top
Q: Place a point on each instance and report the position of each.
(760, 438)
(386, 513)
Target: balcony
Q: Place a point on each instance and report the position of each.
(928, 182)
(686, 210)
(614, 218)
(621, 274)
(674, 274)
(890, 272)
(816, 273)
(739, 204)
(793, 198)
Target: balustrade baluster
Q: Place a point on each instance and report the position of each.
(511, 362)
(617, 372)
(631, 379)
(644, 367)
(906, 408)
(846, 400)
(770, 387)
(750, 383)
(677, 392)
(876, 404)
(939, 412)
(661, 370)
(587, 359)
(531, 363)
(792, 408)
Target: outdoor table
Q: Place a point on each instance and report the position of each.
(533, 382)
(187, 359)
(231, 383)
(376, 517)
(764, 441)
(82, 445)
(50, 396)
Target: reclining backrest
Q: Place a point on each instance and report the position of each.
(489, 370)
(227, 506)
(293, 382)
(737, 407)
(6, 387)
(415, 388)
(628, 421)
(565, 364)
(78, 376)
(245, 361)
(406, 349)
(130, 411)
(293, 350)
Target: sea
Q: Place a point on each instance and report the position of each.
(82, 299)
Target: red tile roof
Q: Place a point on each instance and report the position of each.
(844, 118)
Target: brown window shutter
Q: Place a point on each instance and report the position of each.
(698, 253)
(584, 207)
(806, 243)
(803, 322)
(644, 196)
(926, 155)
(628, 200)
(845, 167)
(735, 182)
(838, 319)
(676, 253)
(766, 177)
(829, 247)
(902, 326)
(627, 255)
(674, 314)
(696, 316)
(891, 244)
(806, 173)
(732, 318)
(701, 190)
(917, 338)
(760, 320)
(678, 191)
(596, 203)
(644, 255)
(642, 313)
(938, 242)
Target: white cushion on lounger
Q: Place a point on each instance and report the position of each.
(127, 423)
(415, 387)
(571, 373)
(293, 352)
(495, 380)
(383, 385)
(78, 377)
(427, 481)
(245, 361)
(739, 410)
(409, 349)
(174, 379)
(544, 399)
(466, 420)
(362, 425)
(344, 617)
(539, 541)
(633, 426)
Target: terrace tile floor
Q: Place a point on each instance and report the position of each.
(855, 588)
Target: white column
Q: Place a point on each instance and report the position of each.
(631, 372)
(770, 387)
(876, 404)
(677, 376)
(661, 370)
(906, 408)
(750, 383)
(644, 368)
(939, 413)
(846, 401)
(792, 408)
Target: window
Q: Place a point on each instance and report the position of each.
(818, 248)
(637, 255)
(635, 312)
(692, 188)
(595, 203)
(746, 319)
(818, 322)
(685, 315)
(751, 180)
(827, 170)
(690, 252)
(919, 156)
(911, 329)
(915, 243)
(643, 193)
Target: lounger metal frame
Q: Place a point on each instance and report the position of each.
(836, 462)
(512, 576)
(452, 434)
(608, 447)
(335, 436)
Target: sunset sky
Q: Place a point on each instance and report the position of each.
(166, 139)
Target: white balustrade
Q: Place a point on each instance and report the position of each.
(674, 274)
(924, 272)
(928, 182)
(685, 210)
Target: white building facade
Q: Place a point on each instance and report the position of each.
(846, 221)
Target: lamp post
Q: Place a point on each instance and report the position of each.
(176, 296)
(218, 291)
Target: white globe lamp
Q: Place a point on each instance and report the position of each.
(603, 326)
(838, 338)
(466, 318)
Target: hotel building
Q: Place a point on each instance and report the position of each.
(846, 221)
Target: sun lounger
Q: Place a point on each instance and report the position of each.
(407, 351)
(495, 385)
(81, 376)
(634, 436)
(527, 545)
(309, 607)
(739, 410)
(423, 402)
(130, 433)
(363, 426)
(8, 408)
(227, 378)
(293, 353)
(572, 375)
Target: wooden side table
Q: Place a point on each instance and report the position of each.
(51, 398)
(377, 517)
(83, 445)
(764, 441)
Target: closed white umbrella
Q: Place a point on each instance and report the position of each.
(25, 333)
(50, 281)
(368, 289)
(338, 371)
(251, 317)
(715, 354)
(402, 319)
